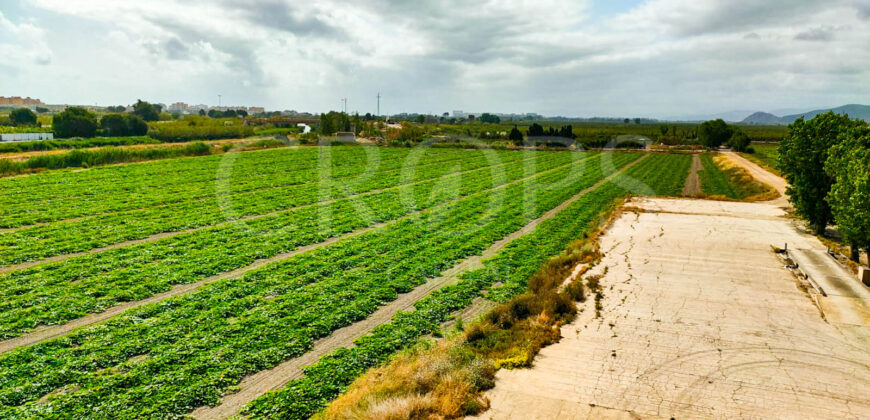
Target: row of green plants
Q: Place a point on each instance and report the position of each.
(79, 143)
(721, 177)
(513, 266)
(503, 277)
(63, 195)
(96, 157)
(661, 174)
(58, 292)
(715, 182)
(273, 194)
(165, 359)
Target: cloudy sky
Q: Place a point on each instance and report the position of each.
(655, 58)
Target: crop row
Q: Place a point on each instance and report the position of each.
(163, 360)
(54, 293)
(512, 267)
(660, 174)
(502, 277)
(245, 172)
(37, 242)
(715, 182)
(509, 270)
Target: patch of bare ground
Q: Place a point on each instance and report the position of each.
(692, 188)
(700, 320)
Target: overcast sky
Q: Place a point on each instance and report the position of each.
(655, 58)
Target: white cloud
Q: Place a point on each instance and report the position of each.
(663, 57)
(23, 43)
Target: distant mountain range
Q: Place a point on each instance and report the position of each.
(853, 110)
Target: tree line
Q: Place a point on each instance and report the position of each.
(826, 162)
(715, 133)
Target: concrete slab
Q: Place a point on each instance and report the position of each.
(700, 320)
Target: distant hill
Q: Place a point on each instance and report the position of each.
(762, 118)
(730, 116)
(853, 110)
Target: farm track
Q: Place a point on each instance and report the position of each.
(692, 188)
(258, 384)
(164, 235)
(759, 173)
(49, 332)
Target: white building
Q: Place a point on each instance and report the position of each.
(26, 136)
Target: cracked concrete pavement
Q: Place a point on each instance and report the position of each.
(700, 320)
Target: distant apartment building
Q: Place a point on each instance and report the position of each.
(19, 101)
(460, 114)
(178, 107)
(256, 110)
(194, 109)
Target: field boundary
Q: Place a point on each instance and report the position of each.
(259, 383)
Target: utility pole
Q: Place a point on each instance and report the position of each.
(219, 100)
(379, 105)
(345, 104)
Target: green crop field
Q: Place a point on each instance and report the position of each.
(765, 155)
(229, 265)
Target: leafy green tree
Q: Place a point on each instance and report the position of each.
(420, 119)
(114, 125)
(116, 109)
(802, 156)
(146, 111)
(739, 141)
(75, 122)
(22, 116)
(715, 133)
(42, 110)
(136, 126)
(201, 112)
(489, 118)
(848, 164)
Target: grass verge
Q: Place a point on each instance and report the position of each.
(447, 379)
(724, 179)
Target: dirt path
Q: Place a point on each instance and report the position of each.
(692, 188)
(700, 320)
(258, 384)
(48, 332)
(761, 174)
